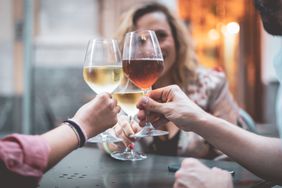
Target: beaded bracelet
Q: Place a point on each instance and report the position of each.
(79, 132)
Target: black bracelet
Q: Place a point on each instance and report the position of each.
(78, 130)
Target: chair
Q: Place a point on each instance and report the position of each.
(5, 112)
(247, 121)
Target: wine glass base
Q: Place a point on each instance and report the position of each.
(104, 138)
(148, 131)
(128, 156)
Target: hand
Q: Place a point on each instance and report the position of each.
(170, 104)
(123, 129)
(97, 115)
(194, 174)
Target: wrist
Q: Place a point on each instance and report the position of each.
(78, 130)
(88, 129)
(202, 121)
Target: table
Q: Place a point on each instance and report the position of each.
(89, 167)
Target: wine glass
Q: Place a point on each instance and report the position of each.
(127, 96)
(142, 63)
(102, 71)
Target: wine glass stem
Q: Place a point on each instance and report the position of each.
(127, 149)
(103, 137)
(130, 148)
(147, 113)
(132, 152)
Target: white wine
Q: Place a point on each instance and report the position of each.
(103, 78)
(127, 101)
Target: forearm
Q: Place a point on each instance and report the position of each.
(261, 155)
(62, 140)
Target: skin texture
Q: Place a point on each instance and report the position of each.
(250, 150)
(199, 176)
(94, 117)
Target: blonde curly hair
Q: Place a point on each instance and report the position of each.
(183, 71)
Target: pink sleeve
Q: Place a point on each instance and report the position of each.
(23, 157)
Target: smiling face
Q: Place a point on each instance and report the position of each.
(157, 22)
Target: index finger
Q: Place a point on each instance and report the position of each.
(157, 94)
(164, 94)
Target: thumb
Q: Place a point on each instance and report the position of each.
(146, 103)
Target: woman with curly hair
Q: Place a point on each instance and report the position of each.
(207, 88)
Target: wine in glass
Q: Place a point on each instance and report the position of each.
(142, 63)
(127, 96)
(102, 71)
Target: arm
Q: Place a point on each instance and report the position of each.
(93, 117)
(195, 174)
(20, 164)
(261, 155)
(221, 104)
(23, 159)
(211, 93)
(61, 141)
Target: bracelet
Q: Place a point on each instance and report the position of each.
(79, 132)
(75, 132)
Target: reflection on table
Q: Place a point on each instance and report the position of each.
(89, 167)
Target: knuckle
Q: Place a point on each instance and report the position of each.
(103, 96)
(117, 130)
(129, 131)
(175, 87)
(178, 173)
(189, 162)
(116, 111)
(123, 124)
(112, 104)
(167, 110)
(135, 127)
(115, 120)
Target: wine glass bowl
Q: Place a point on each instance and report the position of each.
(143, 72)
(142, 63)
(102, 71)
(142, 59)
(128, 100)
(102, 79)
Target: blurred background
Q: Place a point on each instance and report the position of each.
(43, 43)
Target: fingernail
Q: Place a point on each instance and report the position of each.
(131, 146)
